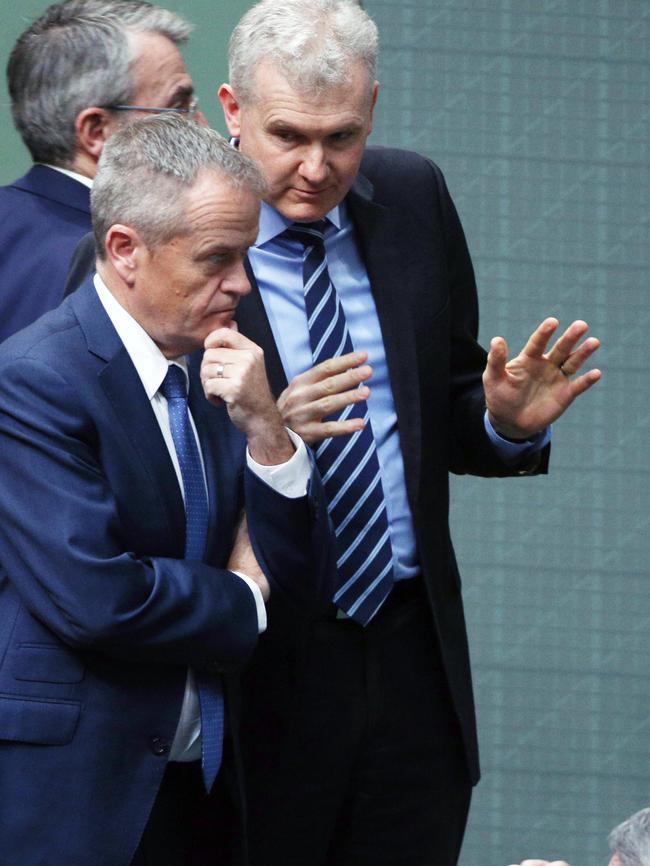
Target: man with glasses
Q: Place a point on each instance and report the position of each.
(76, 75)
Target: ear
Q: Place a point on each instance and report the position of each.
(125, 251)
(93, 127)
(373, 102)
(231, 109)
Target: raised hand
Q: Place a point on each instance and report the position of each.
(323, 390)
(529, 392)
(233, 373)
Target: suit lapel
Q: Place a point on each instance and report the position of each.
(380, 238)
(124, 390)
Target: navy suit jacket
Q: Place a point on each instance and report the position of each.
(42, 217)
(100, 615)
(423, 284)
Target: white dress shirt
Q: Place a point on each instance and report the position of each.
(290, 479)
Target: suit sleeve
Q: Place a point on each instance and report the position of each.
(62, 543)
(470, 448)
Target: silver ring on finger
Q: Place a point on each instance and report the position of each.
(564, 372)
(221, 368)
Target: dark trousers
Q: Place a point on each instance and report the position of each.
(188, 827)
(370, 770)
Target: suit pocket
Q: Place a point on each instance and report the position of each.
(27, 720)
(46, 663)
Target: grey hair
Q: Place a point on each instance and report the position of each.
(77, 54)
(313, 43)
(146, 170)
(631, 840)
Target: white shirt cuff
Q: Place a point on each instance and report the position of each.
(259, 601)
(290, 478)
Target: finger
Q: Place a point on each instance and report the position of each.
(496, 360)
(332, 367)
(538, 340)
(576, 359)
(331, 429)
(228, 338)
(300, 393)
(225, 356)
(564, 344)
(584, 382)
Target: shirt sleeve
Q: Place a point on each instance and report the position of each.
(290, 478)
(511, 452)
(259, 601)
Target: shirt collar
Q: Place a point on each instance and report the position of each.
(81, 178)
(273, 223)
(149, 362)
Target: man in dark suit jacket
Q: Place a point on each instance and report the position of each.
(373, 746)
(107, 628)
(67, 75)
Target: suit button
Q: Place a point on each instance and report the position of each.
(159, 745)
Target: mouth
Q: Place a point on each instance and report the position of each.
(310, 193)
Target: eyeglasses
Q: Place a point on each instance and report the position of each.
(192, 108)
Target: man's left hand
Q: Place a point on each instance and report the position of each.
(529, 392)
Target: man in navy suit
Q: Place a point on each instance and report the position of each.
(113, 635)
(370, 749)
(74, 76)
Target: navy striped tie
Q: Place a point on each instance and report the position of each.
(210, 686)
(348, 465)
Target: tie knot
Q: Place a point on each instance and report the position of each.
(307, 233)
(174, 385)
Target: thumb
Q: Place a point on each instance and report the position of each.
(496, 360)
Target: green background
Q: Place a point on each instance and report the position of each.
(538, 113)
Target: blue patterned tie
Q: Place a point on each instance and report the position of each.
(209, 686)
(348, 465)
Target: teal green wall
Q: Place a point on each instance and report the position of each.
(538, 111)
(205, 55)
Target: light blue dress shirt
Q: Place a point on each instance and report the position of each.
(277, 265)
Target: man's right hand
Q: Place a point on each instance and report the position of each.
(323, 390)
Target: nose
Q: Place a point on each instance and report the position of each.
(314, 167)
(236, 281)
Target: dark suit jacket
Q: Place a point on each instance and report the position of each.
(42, 217)
(423, 284)
(100, 615)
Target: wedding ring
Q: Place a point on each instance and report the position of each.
(221, 368)
(564, 372)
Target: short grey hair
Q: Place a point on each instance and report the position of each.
(631, 840)
(77, 54)
(146, 170)
(313, 43)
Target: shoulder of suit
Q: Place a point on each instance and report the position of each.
(42, 340)
(379, 162)
(402, 176)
